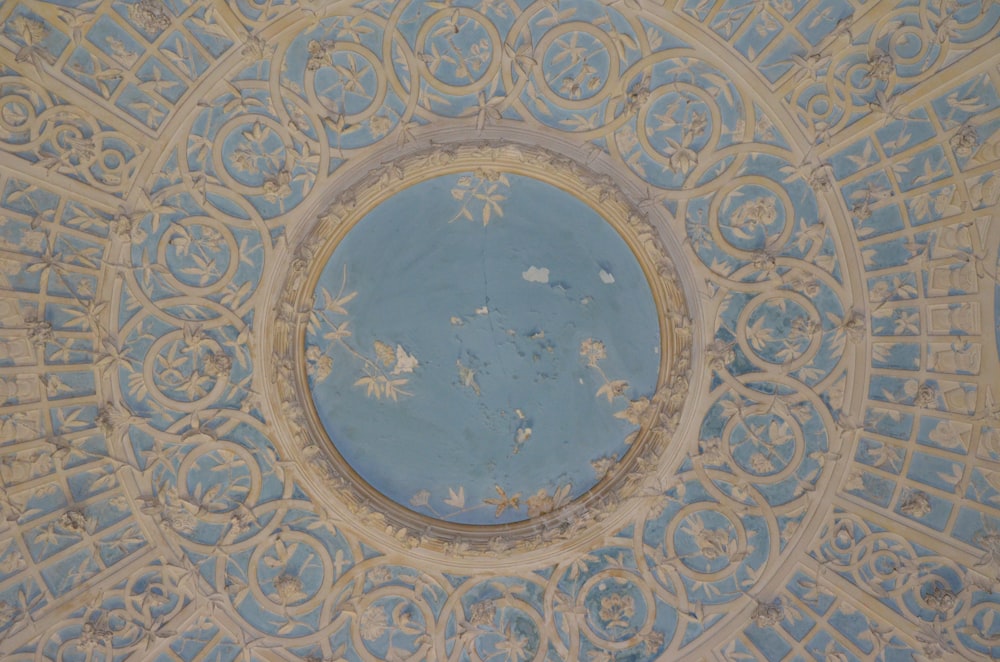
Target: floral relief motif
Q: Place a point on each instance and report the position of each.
(373, 623)
(617, 610)
(392, 629)
(500, 624)
(380, 375)
(482, 190)
(594, 352)
(539, 503)
(821, 475)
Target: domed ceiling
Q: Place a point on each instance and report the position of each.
(496, 330)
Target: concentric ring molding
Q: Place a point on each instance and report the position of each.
(888, 111)
(335, 482)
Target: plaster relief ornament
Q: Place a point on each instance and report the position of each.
(483, 330)
(439, 269)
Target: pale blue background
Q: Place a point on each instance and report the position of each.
(414, 271)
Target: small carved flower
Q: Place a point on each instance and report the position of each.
(94, 634)
(127, 229)
(940, 598)
(807, 286)
(805, 327)
(767, 615)
(379, 575)
(880, 66)
(255, 48)
(926, 396)
(379, 125)
(819, 179)
(917, 504)
(288, 589)
(421, 499)
(322, 368)
(178, 518)
(109, 419)
(39, 332)
(711, 452)
(763, 261)
(81, 149)
(712, 543)
(652, 641)
(73, 521)
(637, 98)
(614, 389)
(244, 160)
(862, 210)
(720, 353)
(211, 239)
(239, 523)
(760, 464)
(539, 503)
(150, 15)
(217, 364)
(603, 465)
(570, 88)
(617, 610)
(964, 141)
(593, 351)
(855, 482)
(989, 540)
(759, 211)
(319, 54)
(278, 187)
(853, 325)
(373, 623)
(488, 174)
(635, 412)
(483, 613)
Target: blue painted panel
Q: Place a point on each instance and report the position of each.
(467, 355)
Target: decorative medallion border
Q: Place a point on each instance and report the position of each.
(301, 436)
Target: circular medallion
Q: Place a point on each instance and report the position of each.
(479, 347)
(454, 352)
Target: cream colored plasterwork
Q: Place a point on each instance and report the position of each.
(115, 544)
(345, 492)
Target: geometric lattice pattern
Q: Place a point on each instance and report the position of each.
(824, 176)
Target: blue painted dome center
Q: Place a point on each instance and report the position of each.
(482, 347)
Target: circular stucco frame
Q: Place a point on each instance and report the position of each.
(301, 437)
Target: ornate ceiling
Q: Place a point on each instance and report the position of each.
(499, 330)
